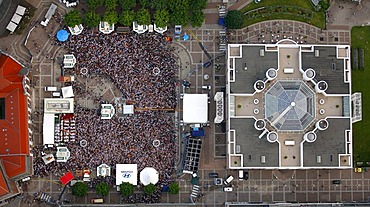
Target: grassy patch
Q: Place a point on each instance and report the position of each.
(318, 18)
(360, 38)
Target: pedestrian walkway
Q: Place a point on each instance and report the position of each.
(239, 4)
(276, 30)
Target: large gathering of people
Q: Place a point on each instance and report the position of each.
(143, 68)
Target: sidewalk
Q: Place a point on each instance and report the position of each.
(239, 4)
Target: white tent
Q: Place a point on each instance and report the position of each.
(20, 10)
(128, 109)
(48, 129)
(67, 92)
(16, 18)
(195, 108)
(11, 26)
(126, 173)
(149, 175)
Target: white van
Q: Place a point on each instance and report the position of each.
(51, 88)
(97, 200)
(228, 189)
(56, 94)
(241, 175)
(228, 180)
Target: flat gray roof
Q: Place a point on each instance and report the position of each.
(328, 145)
(324, 71)
(252, 147)
(257, 66)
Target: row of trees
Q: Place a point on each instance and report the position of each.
(179, 12)
(126, 189)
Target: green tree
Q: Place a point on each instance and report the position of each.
(127, 5)
(110, 17)
(93, 4)
(197, 18)
(126, 189)
(92, 19)
(149, 189)
(174, 188)
(79, 189)
(198, 4)
(324, 5)
(73, 18)
(126, 18)
(110, 5)
(143, 17)
(102, 189)
(180, 17)
(161, 18)
(159, 4)
(234, 19)
(144, 3)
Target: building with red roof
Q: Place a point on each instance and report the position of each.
(15, 160)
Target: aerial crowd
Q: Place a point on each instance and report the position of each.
(144, 69)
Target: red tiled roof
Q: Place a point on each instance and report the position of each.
(3, 187)
(14, 146)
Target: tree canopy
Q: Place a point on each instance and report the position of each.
(159, 4)
(149, 189)
(143, 17)
(110, 5)
(144, 3)
(92, 19)
(73, 18)
(102, 189)
(174, 188)
(127, 5)
(161, 18)
(126, 18)
(126, 189)
(79, 189)
(197, 18)
(93, 4)
(234, 19)
(110, 17)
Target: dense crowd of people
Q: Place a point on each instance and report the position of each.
(143, 68)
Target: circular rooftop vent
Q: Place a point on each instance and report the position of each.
(271, 74)
(322, 124)
(259, 124)
(272, 137)
(321, 86)
(310, 136)
(259, 86)
(309, 74)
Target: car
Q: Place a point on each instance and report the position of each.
(207, 64)
(206, 87)
(178, 29)
(358, 169)
(337, 182)
(228, 180)
(213, 175)
(246, 175)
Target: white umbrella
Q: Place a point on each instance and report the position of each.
(149, 175)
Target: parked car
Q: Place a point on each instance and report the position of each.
(246, 175)
(207, 64)
(213, 175)
(337, 182)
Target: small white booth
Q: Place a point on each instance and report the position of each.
(149, 175)
(126, 173)
(195, 108)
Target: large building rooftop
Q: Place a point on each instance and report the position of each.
(289, 106)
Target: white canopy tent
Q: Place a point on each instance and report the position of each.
(48, 129)
(126, 173)
(20, 10)
(67, 92)
(16, 18)
(149, 175)
(195, 108)
(11, 26)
